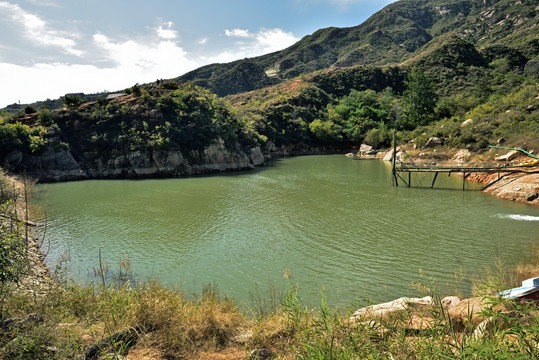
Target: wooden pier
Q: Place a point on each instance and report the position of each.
(401, 168)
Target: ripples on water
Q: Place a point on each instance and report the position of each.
(336, 223)
(519, 217)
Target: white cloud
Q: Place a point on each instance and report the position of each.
(44, 3)
(262, 42)
(168, 33)
(114, 63)
(131, 62)
(159, 58)
(238, 33)
(274, 39)
(38, 30)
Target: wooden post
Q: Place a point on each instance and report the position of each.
(434, 180)
(463, 180)
(409, 178)
(395, 156)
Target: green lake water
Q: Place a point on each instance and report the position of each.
(335, 223)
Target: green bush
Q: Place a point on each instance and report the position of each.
(379, 137)
(171, 85)
(73, 101)
(28, 109)
(44, 117)
(326, 132)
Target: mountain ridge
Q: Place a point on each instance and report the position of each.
(389, 37)
(488, 75)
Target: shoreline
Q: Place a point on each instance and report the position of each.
(37, 279)
(512, 187)
(275, 331)
(522, 187)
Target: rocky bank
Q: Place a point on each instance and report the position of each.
(513, 186)
(479, 316)
(65, 165)
(519, 187)
(37, 278)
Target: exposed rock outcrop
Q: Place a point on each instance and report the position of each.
(64, 165)
(389, 155)
(53, 165)
(365, 149)
(385, 309)
(433, 142)
(509, 156)
(418, 316)
(462, 155)
(518, 187)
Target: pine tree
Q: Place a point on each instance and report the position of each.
(418, 100)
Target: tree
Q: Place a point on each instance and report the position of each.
(72, 101)
(326, 132)
(419, 100)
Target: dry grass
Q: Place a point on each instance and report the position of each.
(176, 326)
(170, 324)
(526, 271)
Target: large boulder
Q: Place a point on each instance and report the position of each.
(508, 157)
(472, 311)
(385, 309)
(462, 155)
(389, 155)
(256, 157)
(433, 142)
(141, 163)
(450, 302)
(365, 149)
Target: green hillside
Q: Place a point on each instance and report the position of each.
(396, 33)
(430, 65)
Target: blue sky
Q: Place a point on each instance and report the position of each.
(52, 47)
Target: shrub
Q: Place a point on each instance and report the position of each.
(135, 90)
(73, 101)
(44, 117)
(171, 85)
(378, 137)
(12, 242)
(28, 109)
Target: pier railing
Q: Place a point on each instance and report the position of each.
(465, 168)
(436, 166)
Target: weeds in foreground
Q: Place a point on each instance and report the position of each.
(117, 316)
(174, 325)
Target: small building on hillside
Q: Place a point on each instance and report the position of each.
(80, 95)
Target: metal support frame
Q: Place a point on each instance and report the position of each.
(434, 180)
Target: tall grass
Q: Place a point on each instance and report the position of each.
(174, 325)
(111, 318)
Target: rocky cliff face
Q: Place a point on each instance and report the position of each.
(52, 166)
